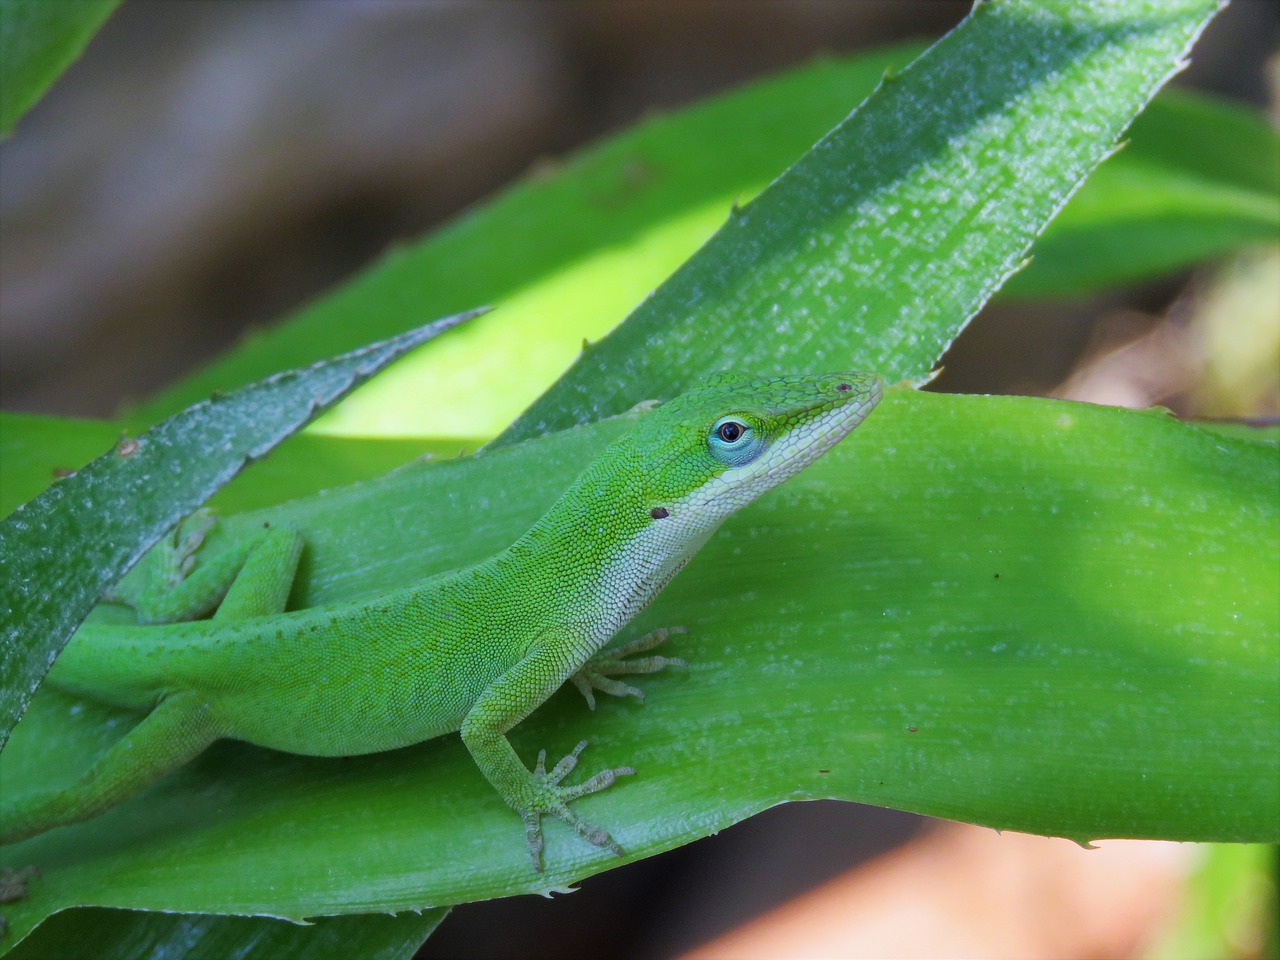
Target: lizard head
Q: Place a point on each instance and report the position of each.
(732, 437)
(651, 499)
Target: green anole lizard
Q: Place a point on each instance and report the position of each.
(475, 650)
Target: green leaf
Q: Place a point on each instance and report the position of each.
(881, 242)
(978, 608)
(1226, 908)
(568, 253)
(160, 936)
(38, 41)
(59, 551)
(1267, 433)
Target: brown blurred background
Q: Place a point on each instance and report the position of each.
(208, 166)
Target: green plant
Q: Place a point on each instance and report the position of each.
(974, 611)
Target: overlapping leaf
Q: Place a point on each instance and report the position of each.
(61, 550)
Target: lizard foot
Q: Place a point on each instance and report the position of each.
(185, 539)
(552, 799)
(13, 886)
(164, 567)
(595, 673)
(13, 882)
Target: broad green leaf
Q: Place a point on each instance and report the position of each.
(163, 936)
(59, 551)
(39, 39)
(1269, 433)
(902, 222)
(978, 608)
(568, 253)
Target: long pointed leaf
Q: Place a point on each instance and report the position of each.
(38, 41)
(166, 936)
(61, 550)
(898, 226)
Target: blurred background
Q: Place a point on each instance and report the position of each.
(207, 167)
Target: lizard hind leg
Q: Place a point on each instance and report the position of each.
(262, 585)
(180, 580)
(178, 729)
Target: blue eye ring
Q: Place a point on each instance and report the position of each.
(734, 442)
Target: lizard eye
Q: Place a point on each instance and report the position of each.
(730, 431)
(734, 442)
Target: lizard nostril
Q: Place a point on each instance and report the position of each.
(843, 388)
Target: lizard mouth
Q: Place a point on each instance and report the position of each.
(827, 428)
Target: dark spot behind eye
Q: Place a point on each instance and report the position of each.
(659, 513)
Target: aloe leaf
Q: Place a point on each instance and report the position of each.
(36, 449)
(38, 41)
(1196, 179)
(569, 252)
(897, 227)
(978, 608)
(59, 551)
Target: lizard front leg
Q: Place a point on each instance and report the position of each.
(507, 701)
(598, 672)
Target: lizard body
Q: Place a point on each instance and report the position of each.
(474, 650)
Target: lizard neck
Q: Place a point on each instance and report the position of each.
(601, 555)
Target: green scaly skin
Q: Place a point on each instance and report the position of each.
(475, 650)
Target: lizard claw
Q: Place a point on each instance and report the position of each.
(187, 539)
